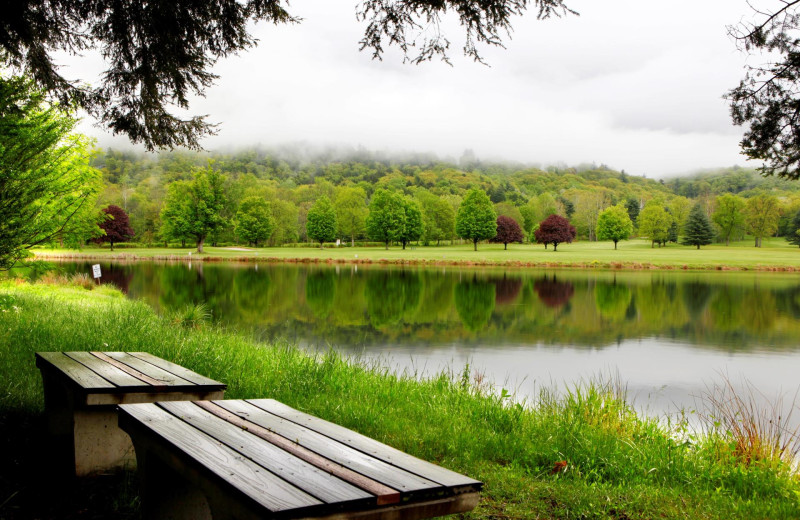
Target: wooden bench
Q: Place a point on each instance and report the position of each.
(82, 390)
(248, 459)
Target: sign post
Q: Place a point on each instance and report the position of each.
(96, 272)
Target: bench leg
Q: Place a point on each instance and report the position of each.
(100, 446)
(165, 494)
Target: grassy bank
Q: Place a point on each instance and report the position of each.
(776, 254)
(618, 465)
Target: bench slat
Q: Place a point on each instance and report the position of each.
(178, 370)
(232, 471)
(74, 370)
(384, 494)
(367, 445)
(160, 375)
(109, 372)
(297, 472)
(337, 452)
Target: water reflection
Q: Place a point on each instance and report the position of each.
(380, 306)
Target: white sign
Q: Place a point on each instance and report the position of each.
(96, 270)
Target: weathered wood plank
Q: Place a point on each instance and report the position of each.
(403, 481)
(228, 468)
(178, 370)
(297, 472)
(109, 372)
(151, 382)
(367, 445)
(162, 376)
(81, 375)
(383, 494)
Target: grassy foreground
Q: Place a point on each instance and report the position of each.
(776, 254)
(582, 456)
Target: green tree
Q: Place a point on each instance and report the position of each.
(205, 204)
(175, 214)
(476, 219)
(729, 216)
(438, 217)
(412, 222)
(654, 223)
(386, 219)
(793, 236)
(679, 207)
(761, 216)
(614, 223)
(697, 231)
(321, 221)
(632, 205)
(254, 222)
(351, 212)
(285, 214)
(46, 183)
(157, 57)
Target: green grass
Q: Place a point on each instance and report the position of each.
(618, 464)
(635, 254)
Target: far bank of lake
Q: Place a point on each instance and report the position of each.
(775, 255)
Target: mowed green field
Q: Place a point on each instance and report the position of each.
(776, 254)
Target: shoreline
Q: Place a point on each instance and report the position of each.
(421, 262)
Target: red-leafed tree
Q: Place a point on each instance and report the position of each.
(507, 231)
(555, 229)
(116, 225)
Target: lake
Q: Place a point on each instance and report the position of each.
(665, 335)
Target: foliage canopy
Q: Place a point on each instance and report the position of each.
(46, 183)
(476, 219)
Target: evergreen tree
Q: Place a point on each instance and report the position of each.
(697, 231)
(321, 222)
(793, 237)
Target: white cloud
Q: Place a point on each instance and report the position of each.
(636, 85)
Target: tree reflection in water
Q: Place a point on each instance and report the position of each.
(552, 292)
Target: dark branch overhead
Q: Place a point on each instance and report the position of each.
(159, 54)
(767, 99)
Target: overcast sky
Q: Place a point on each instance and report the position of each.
(633, 84)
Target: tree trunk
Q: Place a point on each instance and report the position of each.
(404, 245)
(555, 246)
(615, 245)
(387, 245)
(475, 244)
(698, 246)
(505, 246)
(321, 244)
(352, 241)
(112, 245)
(200, 244)
(183, 242)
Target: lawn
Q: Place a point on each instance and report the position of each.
(776, 254)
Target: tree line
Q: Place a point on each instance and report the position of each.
(60, 191)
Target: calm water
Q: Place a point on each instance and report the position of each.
(667, 335)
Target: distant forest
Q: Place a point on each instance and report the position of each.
(291, 181)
